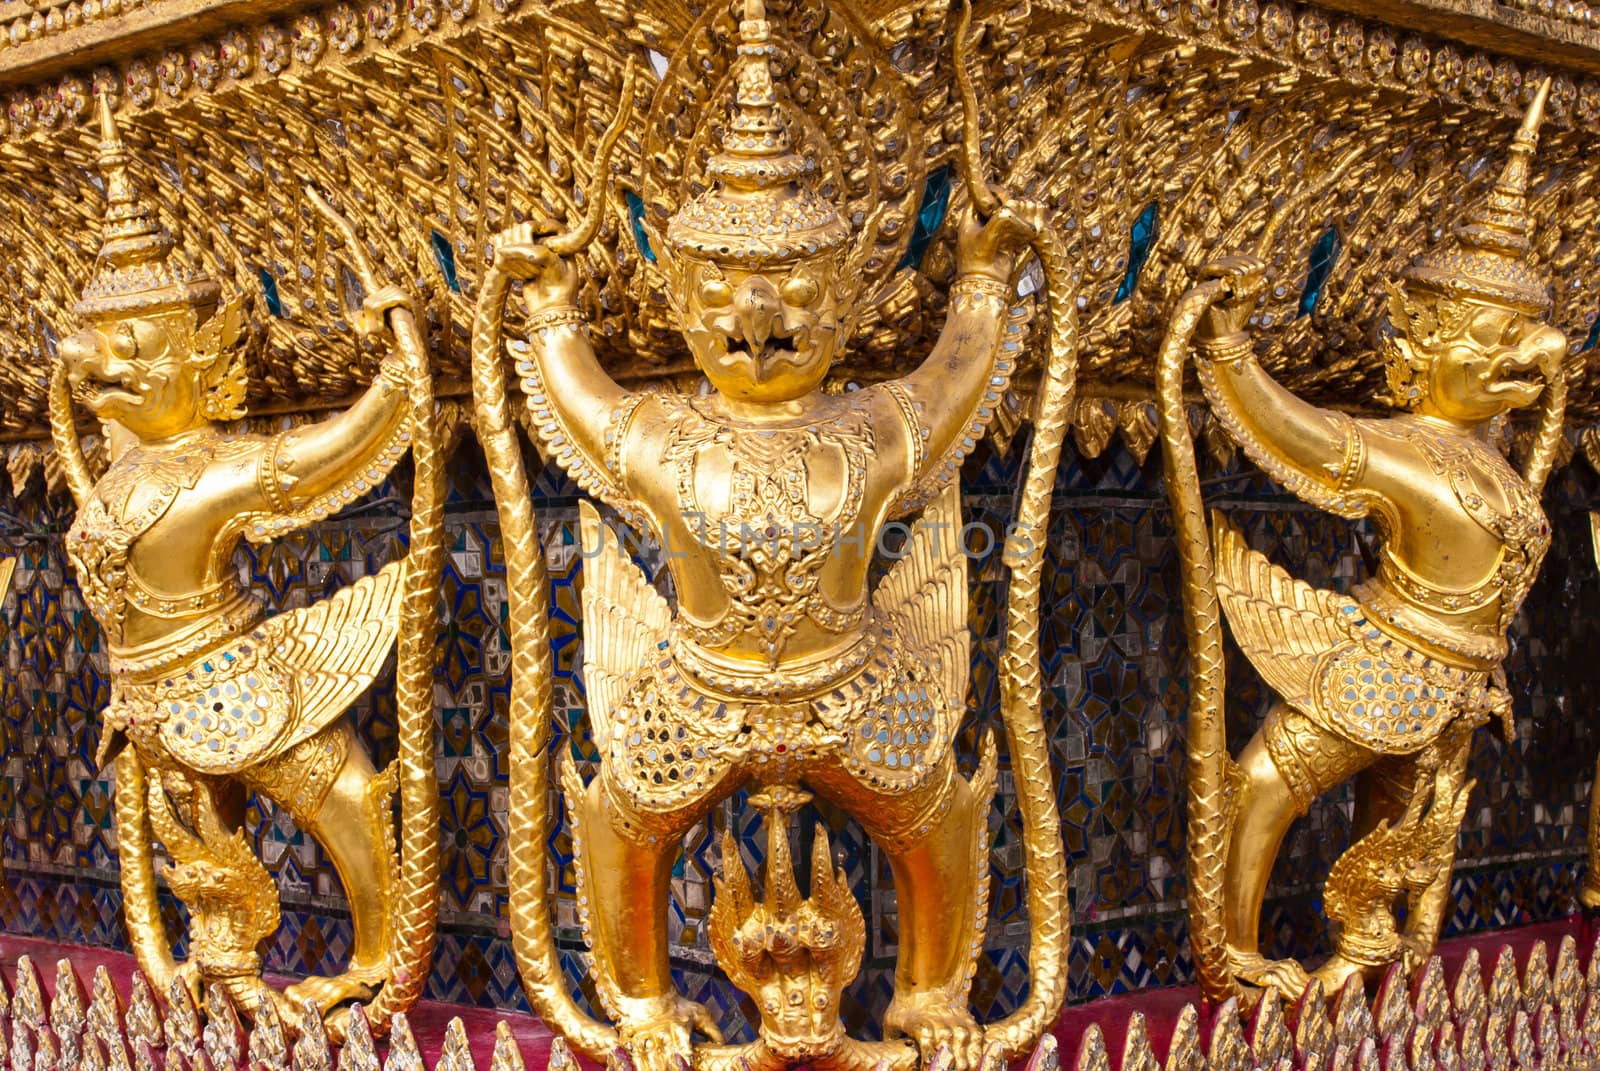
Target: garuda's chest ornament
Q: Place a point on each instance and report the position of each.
(211, 697)
(776, 664)
(761, 521)
(1388, 683)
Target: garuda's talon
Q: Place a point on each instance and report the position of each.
(662, 1039)
(935, 1021)
(1283, 976)
(355, 985)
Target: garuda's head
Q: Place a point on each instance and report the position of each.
(1468, 341)
(156, 355)
(763, 269)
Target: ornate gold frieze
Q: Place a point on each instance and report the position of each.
(1423, 46)
(41, 37)
(427, 109)
(865, 307)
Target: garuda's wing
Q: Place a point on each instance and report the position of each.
(1283, 625)
(284, 682)
(925, 595)
(334, 648)
(624, 619)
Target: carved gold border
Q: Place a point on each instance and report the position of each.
(198, 57)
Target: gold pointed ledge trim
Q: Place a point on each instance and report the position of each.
(40, 38)
(1541, 1013)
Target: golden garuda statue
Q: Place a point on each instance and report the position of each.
(775, 665)
(1386, 684)
(210, 698)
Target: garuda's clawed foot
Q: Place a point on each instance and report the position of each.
(1337, 970)
(933, 1020)
(358, 984)
(1283, 976)
(658, 1033)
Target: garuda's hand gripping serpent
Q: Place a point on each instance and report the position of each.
(776, 665)
(211, 698)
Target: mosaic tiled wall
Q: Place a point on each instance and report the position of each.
(1117, 676)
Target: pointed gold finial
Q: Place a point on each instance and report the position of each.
(761, 206)
(135, 271)
(132, 232)
(777, 802)
(1489, 257)
(758, 131)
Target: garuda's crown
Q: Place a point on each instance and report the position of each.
(760, 206)
(135, 271)
(1490, 255)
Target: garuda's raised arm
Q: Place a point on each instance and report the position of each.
(952, 396)
(571, 400)
(312, 467)
(572, 403)
(1315, 453)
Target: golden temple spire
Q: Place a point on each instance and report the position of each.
(134, 270)
(761, 205)
(1489, 257)
(756, 150)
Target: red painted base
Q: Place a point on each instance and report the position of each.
(1160, 1007)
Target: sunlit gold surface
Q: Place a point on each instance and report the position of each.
(1387, 684)
(424, 111)
(210, 699)
(777, 665)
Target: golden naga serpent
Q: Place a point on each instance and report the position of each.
(416, 917)
(1209, 815)
(528, 595)
(1021, 694)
